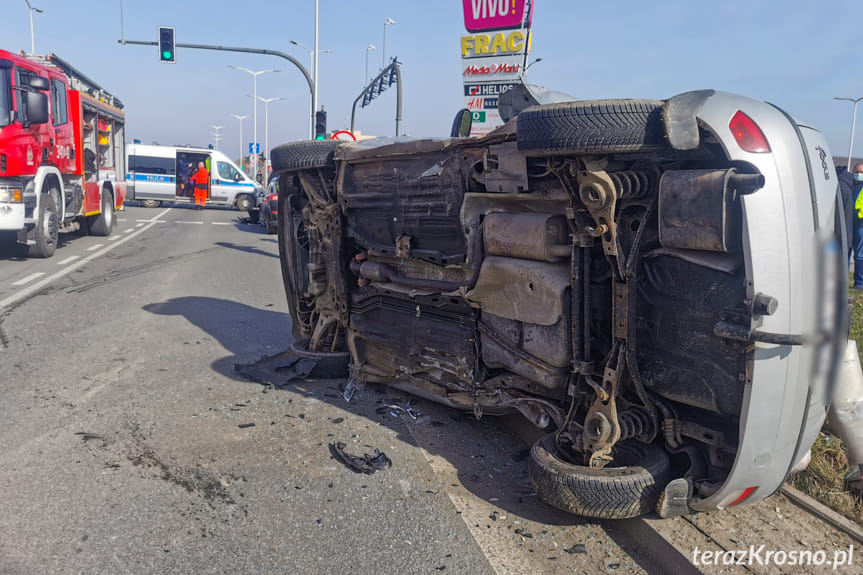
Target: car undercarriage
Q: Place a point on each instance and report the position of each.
(588, 275)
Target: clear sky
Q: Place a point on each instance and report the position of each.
(795, 54)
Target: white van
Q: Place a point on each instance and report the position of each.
(157, 174)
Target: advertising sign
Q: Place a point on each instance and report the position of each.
(494, 54)
(482, 15)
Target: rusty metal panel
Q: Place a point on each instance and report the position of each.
(542, 237)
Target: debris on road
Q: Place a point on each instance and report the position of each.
(245, 425)
(367, 464)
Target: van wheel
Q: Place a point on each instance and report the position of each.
(244, 203)
(47, 230)
(151, 203)
(103, 224)
(627, 487)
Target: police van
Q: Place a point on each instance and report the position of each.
(157, 174)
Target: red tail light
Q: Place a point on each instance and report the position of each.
(748, 491)
(749, 136)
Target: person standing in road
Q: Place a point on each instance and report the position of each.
(201, 179)
(857, 241)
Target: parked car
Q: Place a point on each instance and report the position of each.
(659, 285)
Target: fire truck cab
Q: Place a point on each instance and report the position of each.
(62, 160)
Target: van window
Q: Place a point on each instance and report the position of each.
(228, 172)
(58, 102)
(5, 93)
(151, 165)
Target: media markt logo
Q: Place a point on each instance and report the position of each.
(495, 69)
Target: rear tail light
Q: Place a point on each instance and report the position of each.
(742, 497)
(749, 136)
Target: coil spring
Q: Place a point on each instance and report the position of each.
(635, 423)
(632, 183)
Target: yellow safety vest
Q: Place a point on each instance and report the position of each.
(858, 205)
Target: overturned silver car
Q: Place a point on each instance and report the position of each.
(660, 285)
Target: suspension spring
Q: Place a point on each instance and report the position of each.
(636, 423)
(633, 184)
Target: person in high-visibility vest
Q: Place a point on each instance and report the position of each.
(857, 174)
(201, 179)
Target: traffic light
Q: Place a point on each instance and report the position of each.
(166, 44)
(321, 125)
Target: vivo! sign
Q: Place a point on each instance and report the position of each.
(493, 14)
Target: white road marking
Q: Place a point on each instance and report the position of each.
(139, 225)
(155, 222)
(32, 288)
(221, 223)
(183, 222)
(121, 219)
(28, 279)
(130, 231)
(94, 248)
(114, 238)
(69, 259)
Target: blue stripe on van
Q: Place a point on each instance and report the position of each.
(230, 183)
(153, 178)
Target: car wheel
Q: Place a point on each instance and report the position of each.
(47, 230)
(328, 365)
(151, 203)
(301, 155)
(627, 487)
(103, 223)
(592, 126)
(293, 257)
(244, 203)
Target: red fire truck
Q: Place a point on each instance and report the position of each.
(62, 160)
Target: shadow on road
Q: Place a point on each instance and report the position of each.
(247, 249)
(489, 456)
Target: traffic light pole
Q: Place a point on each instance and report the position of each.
(377, 79)
(263, 51)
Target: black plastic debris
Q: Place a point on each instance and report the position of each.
(367, 464)
(524, 533)
(578, 548)
(245, 425)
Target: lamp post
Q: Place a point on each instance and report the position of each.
(240, 118)
(32, 41)
(266, 102)
(384, 46)
(255, 108)
(366, 79)
(853, 121)
(217, 136)
(314, 79)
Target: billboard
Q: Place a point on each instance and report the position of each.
(494, 53)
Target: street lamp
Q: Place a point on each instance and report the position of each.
(266, 102)
(240, 118)
(370, 47)
(384, 46)
(217, 135)
(255, 107)
(314, 78)
(32, 41)
(853, 121)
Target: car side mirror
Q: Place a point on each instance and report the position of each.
(39, 83)
(462, 124)
(236, 177)
(37, 107)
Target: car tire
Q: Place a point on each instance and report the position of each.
(290, 268)
(329, 365)
(627, 487)
(245, 203)
(304, 155)
(103, 223)
(47, 231)
(151, 203)
(592, 126)
(271, 227)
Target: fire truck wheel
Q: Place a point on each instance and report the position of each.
(47, 229)
(103, 223)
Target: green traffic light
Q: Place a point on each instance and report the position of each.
(320, 137)
(166, 55)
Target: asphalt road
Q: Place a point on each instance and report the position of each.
(125, 444)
